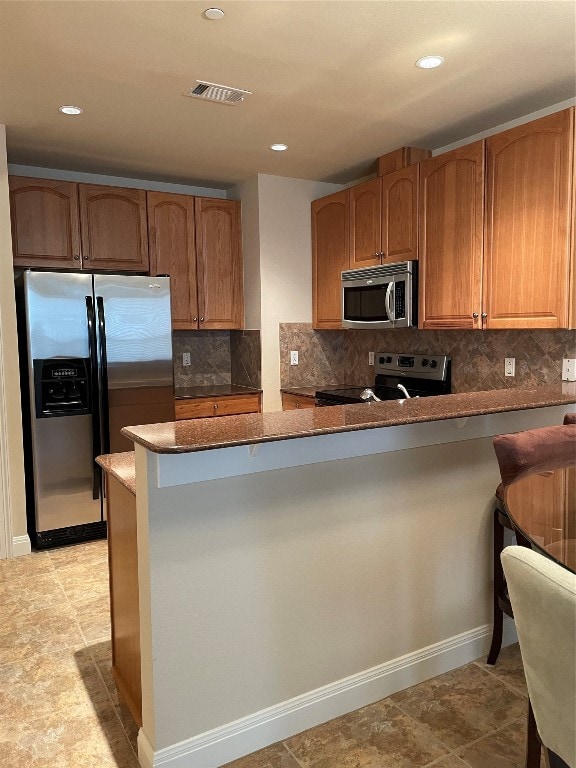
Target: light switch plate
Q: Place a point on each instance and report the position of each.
(568, 370)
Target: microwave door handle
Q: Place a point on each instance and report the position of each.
(389, 301)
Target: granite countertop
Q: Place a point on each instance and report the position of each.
(121, 466)
(246, 429)
(306, 391)
(213, 390)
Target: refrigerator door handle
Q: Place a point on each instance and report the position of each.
(104, 405)
(95, 400)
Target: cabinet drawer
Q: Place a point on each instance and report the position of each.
(228, 405)
(290, 402)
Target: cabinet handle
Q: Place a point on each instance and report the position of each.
(215, 406)
(86, 258)
(201, 319)
(76, 257)
(475, 315)
(383, 255)
(484, 315)
(194, 319)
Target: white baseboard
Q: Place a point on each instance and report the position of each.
(21, 546)
(234, 740)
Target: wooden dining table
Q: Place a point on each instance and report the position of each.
(542, 508)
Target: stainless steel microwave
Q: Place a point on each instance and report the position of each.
(381, 297)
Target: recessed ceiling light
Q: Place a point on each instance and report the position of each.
(278, 147)
(213, 13)
(429, 62)
(70, 110)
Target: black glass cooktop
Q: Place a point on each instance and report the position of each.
(396, 374)
(352, 394)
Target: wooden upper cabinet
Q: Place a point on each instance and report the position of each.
(173, 252)
(365, 224)
(219, 263)
(528, 212)
(399, 241)
(45, 224)
(114, 229)
(329, 258)
(451, 219)
(384, 219)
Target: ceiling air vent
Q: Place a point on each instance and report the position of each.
(222, 94)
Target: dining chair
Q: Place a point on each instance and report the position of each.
(543, 596)
(534, 450)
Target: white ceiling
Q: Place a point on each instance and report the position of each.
(334, 79)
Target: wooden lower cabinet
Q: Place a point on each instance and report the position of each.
(124, 596)
(291, 402)
(224, 405)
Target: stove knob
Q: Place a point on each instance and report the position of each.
(433, 364)
(424, 362)
(388, 359)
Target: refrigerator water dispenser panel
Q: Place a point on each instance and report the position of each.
(61, 387)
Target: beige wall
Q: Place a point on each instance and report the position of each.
(12, 496)
(278, 263)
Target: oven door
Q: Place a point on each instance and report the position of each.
(368, 302)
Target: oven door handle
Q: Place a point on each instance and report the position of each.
(389, 301)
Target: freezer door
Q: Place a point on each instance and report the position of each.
(60, 447)
(63, 477)
(135, 348)
(56, 314)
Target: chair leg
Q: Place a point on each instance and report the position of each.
(499, 582)
(533, 745)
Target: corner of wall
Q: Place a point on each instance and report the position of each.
(12, 492)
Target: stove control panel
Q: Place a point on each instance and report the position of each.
(418, 366)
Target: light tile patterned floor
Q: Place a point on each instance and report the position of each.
(59, 707)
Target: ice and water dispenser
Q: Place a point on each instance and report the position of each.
(62, 386)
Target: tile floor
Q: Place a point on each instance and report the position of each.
(59, 707)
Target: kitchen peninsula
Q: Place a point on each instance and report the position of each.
(297, 565)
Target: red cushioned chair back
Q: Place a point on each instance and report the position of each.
(536, 450)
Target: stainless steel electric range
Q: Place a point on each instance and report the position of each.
(397, 377)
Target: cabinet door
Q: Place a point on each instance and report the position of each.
(225, 405)
(114, 230)
(365, 224)
(450, 242)
(400, 215)
(173, 252)
(45, 225)
(528, 204)
(292, 402)
(329, 258)
(219, 263)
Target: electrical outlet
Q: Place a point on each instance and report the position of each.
(370, 358)
(294, 358)
(186, 358)
(509, 366)
(568, 370)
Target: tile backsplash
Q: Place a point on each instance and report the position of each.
(217, 357)
(341, 357)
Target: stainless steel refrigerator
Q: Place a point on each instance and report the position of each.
(95, 356)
